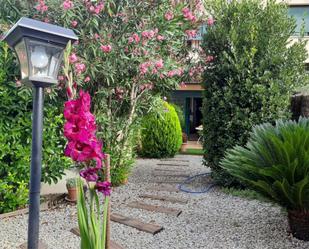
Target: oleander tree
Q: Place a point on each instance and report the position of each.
(125, 57)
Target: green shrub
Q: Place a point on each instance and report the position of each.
(15, 137)
(161, 133)
(180, 115)
(275, 162)
(252, 74)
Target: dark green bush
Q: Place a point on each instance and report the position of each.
(161, 133)
(15, 137)
(275, 162)
(252, 75)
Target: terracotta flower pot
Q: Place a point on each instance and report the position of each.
(299, 224)
(72, 194)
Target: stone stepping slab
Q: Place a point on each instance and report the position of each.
(179, 175)
(174, 160)
(177, 181)
(113, 244)
(154, 208)
(135, 223)
(172, 164)
(164, 188)
(165, 198)
(169, 170)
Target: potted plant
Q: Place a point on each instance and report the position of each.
(275, 163)
(183, 147)
(71, 184)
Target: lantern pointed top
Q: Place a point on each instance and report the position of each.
(27, 27)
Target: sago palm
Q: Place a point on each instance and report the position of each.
(275, 162)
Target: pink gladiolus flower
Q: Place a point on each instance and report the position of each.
(104, 188)
(73, 58)
(106, 49)
(80, 68)
(210, 21)
(87, 79)
(169, 15)
(185, 10)
(74, 23)
(89, 174)
(67, 4)
(159, 64)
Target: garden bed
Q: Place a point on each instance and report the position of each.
(208, 221)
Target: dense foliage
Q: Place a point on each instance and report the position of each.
(125, 57)
(161, 133)
(250, 73)
(180, 114)
(275, 162)
(15, 137)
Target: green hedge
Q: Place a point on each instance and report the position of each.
(15, 137)
(251, 77)
(161, 134)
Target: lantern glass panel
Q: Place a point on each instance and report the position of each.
(21, 52)
(44, 59)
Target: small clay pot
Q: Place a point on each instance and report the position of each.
(72, 194)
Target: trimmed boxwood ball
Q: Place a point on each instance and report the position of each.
(161, 133)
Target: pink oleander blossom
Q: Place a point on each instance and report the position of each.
(42, 7)
(74, 24)
(191, 33)
(67, 4)
(169, 15)
(209, 58)
(210, 21)
(159, 64)
(80, 68)
(106, 48)
(87, 79)
(104, 188)
(160, 38)
(188, 15)
(73, 58)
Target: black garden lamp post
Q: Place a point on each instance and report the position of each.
(39, 47)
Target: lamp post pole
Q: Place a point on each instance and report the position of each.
(36, 168)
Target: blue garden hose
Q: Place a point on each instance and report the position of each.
(189, 179)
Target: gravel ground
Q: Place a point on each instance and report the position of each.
(210, 221)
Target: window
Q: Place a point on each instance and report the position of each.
(301, 14)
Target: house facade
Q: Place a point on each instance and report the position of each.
(189, 96)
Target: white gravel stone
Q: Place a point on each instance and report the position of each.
(213, 220)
